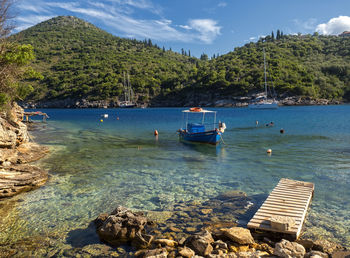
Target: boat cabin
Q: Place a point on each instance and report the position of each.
(195, 128)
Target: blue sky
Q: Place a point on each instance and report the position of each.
(201, 26)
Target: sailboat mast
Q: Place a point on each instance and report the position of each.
(265, 74)
(125, 87)
(129, 88)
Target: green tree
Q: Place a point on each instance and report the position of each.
(14, 60)
(278, 35)
(204, 57)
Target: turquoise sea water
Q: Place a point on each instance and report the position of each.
(96, 166)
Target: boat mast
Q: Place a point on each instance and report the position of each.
(125, 88)
(265, 75)
(129, 88)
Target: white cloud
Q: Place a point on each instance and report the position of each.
(38, 8)
(30, 20)
(222, 4)
(252, 38)
(140, 4)
(207, 29)
(306, 25)
(113, 15)
(186, 27)
(334, 26)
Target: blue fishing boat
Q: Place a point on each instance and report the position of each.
(200, 131)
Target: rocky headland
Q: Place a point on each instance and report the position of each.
(16, 152)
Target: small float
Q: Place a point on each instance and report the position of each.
(200, 130)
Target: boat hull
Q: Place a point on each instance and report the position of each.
(273, 105)
(211, 137)
(127, 106)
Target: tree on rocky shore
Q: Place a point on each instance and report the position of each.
(14, 60)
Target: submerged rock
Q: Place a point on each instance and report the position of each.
(326, 246)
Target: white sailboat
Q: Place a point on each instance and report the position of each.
(264, 102)
(128, 95)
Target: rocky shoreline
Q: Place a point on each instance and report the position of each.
(205, 102)
(16, 151)
(123, 226)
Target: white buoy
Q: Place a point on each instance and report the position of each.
(105, 115)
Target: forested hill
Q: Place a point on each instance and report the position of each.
(79, 61)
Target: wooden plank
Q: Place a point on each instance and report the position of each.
(304, 215)
(289, 198)
(281, 201)
(292, 192)
(278, 202)
(273, 209)
(268, 228)
(281, 213)
(282, 206)
(262, 218)
(268, 225)
(291, 182)
(286, 196)
(289, 194)
(296, 188)
(284, 200)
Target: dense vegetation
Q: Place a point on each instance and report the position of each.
(78, 60)
(307, 65)
(14, 60)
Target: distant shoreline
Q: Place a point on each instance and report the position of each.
(229, 102)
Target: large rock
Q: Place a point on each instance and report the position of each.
(154, 253)
(15, 179)
(13, 131)
(16, 149)
(238, 235)
(186, 252)
(122, 226)
(201, 243)
(289, 249)
(7, 136)
(24, 153)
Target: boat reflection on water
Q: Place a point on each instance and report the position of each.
(206, 149)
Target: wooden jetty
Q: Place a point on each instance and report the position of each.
(285, 208)
(34, 113)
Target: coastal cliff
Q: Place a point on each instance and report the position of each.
(16, 151)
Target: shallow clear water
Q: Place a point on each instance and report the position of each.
(96, 166)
